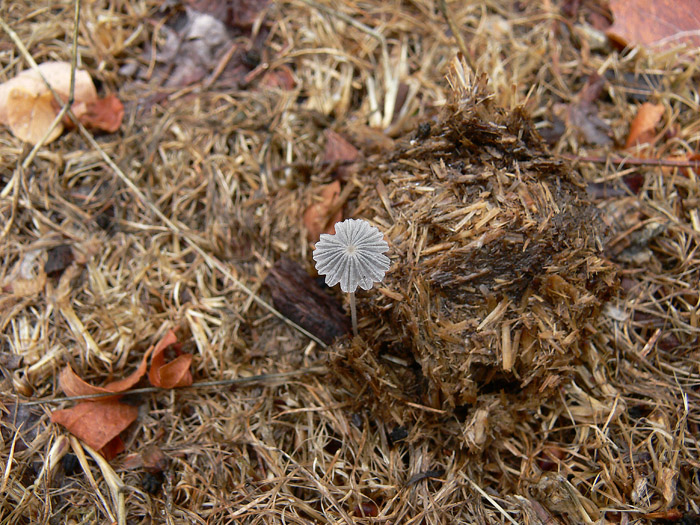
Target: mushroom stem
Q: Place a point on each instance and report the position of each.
(353, 313)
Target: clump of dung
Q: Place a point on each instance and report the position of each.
(497, 271)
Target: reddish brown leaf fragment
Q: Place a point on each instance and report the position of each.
(73, 385)
(154, 460)
(96, 422)
(662, 23)
(113, 448)
(280, 78)
(669, 515)
(324, 212)
(174, 374)
(642, 129)
(340, 151)
(105, 114)
(151, 458)
(366, 509)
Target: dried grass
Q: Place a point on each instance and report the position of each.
(232, 170)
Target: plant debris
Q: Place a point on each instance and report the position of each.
(500, 375)
(497, 261)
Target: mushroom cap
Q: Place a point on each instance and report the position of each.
(353, 257)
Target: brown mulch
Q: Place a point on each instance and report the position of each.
(532, 355)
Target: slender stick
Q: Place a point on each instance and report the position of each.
(353, 313)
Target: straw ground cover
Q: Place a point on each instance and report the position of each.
(176, 220)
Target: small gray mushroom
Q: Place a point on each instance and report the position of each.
(353, 257)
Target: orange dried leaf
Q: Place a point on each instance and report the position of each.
(73, 385)
(642, 129)
(663, 23)
(30, 115)
(321, 216)
(96, 422)
(174, 374)
(105, 114)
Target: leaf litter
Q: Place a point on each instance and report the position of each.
(608, 436)
(28, 108)
(99, 422)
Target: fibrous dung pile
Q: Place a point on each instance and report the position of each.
(496, 263)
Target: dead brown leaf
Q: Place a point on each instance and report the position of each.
(97, 422)
(339, 151)
(642, 129)
(29, 115)
(113, 448)
(662, 23)
(151, 458)
(29, 108)
(104, 114)
(174, 374)
(73, 385)
(58, 76)
(321, 216)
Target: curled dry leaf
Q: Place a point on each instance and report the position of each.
(324, 212)
(642, 129)
(73, 385)
(174, 374)
(100, 421)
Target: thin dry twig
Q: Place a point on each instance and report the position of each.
(252, 380)
(621, 162)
